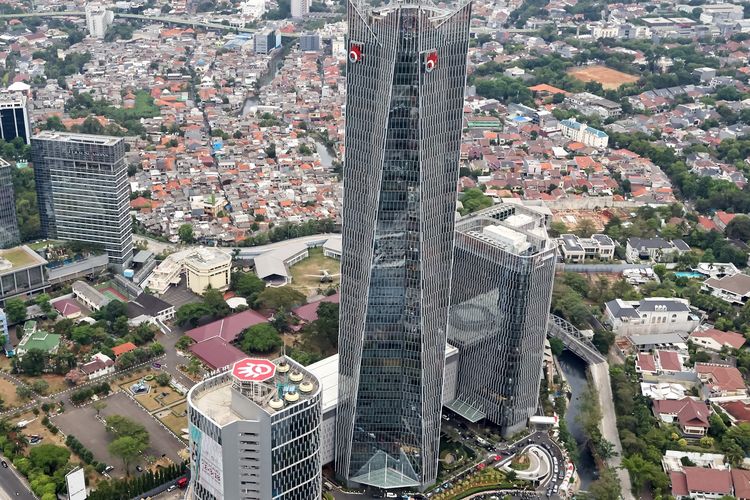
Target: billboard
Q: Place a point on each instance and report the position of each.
(207, 461)
(76, 481)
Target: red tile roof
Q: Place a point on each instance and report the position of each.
(67, 307)
(669, 361)
(216, 352)
(123, 348)
(725, 217)
(715, 481)
(679, 484)
(309, 312)
(741, 480)
(228, 328)
(732, 339)
(738, 410)
(724, 378)
(646, 362)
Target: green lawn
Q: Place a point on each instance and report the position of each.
(17, 257)
(305, 274)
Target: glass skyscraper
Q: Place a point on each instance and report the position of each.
(83, 191)
(503, 269)
(9, 234)
(406, 75)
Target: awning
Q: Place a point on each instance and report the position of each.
(470, 412)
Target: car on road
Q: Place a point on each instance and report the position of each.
(109, 468)
(139, 468)
(172, 488)
(4, 464)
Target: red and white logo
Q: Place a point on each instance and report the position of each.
(355, 53)
(253, 370)
(430, 61)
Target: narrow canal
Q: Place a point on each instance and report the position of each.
(575, 372)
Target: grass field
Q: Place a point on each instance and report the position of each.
(173, 422)
(609, 78)
(56, 383)
(8, 394)
(305, 274)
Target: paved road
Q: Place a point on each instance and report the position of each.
(10, 484)
(600, 377)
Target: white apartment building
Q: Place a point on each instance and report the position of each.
(582, 133)
(98, 20)
(300, 8)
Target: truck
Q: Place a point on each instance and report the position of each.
(182, 482)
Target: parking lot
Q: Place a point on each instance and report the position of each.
(179, 295)
(82, 423)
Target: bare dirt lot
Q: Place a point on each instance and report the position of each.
(609, 78)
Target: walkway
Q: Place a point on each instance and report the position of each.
(600, 379)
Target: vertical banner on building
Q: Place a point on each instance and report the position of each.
(207, 462)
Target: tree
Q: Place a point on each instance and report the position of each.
(739, 228)
(163, 379)
(49, 457)
(99, 406)
(185, 232)
(556, 228)
(214, 301)
(607, 487)
(127, 449)
(39, 386)
(123, 426)
(119, 326)
(16, 310)
(556, 345)
(32, 363)
(247, 285)
(474, 199)
(183, 342)
(43, 302)
(585, 228)
(261, 338)
(24, 392)
(112, 311)
(280, 299)
(189, 314)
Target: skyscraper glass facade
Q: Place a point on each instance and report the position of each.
(9, 234)
(405, 84)
(503, 269)
(83, 191)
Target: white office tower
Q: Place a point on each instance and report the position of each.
(255, 433)
(98, 20)
(300, 8)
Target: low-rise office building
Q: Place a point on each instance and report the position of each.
(22, 272)
(202, 267)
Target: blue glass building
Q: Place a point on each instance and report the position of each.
(406, 76)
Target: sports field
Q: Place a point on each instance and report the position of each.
(608, 77)
(112, 294)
